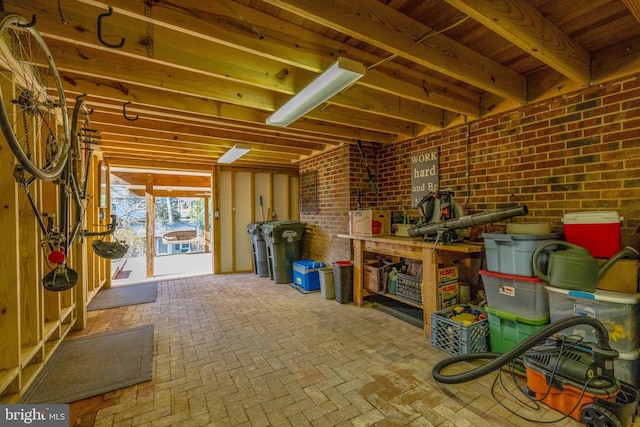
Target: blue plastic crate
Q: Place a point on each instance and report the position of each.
(305, 274)
(456, 338)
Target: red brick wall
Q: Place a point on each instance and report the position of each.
(573, 153)
(320, 241)
(342, 174)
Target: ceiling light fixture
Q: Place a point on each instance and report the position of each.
(234, 153)
(343, 73)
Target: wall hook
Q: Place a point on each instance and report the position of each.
(64, 21)
(90, 112)
(30, 24)
(113, 46)
(124, 112)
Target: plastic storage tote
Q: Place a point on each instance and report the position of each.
(518, 295)
(627, 367)
(513, 253)
(459, 338)
(618, 312)
(306, 274)
(506, 330)
(283, 240)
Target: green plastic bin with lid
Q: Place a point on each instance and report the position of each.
(283, 240)
(506, 329)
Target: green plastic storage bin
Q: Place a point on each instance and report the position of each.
(506, 330)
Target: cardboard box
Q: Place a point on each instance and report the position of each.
(448, 286)
(622, 276)
(401, 230)
(372, 276)
(369, 223)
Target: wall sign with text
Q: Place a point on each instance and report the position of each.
(425, 174)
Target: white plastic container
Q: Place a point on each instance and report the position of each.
(618, 312)
(597, 231)
(627, 367)
(517, 295)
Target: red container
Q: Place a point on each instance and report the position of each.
(597, 231)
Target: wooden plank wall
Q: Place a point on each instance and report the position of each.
(239, 205)
(34, 321)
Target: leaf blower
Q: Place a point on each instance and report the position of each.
(442, 220)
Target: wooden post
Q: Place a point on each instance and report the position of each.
(30, 275)
(151, 225)
(9, 267)
(207, 226)
(215, 194)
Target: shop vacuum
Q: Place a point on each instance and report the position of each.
(573, 377)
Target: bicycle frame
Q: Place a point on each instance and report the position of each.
(48, 145)
(59, 238)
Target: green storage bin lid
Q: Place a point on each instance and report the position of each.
(272, 226)
(516, 318)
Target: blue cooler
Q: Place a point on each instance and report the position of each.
(306, 275)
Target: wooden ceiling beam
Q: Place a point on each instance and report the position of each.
(525, 27)
(210, 125)
(124, 70)
(124, 161)
(79, 83)
(262, 63)
(111, 125)
(380, 25)
(135, 154)
(634, 7)
(153, 146)
(160, 179)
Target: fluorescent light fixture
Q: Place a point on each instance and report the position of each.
(343, 73)
(234, 153)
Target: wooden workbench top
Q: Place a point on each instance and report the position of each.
(417, 242)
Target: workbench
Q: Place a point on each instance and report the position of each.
(468, 257)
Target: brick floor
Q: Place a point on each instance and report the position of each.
(238, 350)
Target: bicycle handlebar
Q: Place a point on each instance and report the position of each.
(111, 227)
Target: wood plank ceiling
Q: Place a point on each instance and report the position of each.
(201, 76)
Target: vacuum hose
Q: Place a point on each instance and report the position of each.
(501, 359)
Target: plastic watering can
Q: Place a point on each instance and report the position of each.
(574, 268)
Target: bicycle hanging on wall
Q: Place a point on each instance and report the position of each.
(48, 145)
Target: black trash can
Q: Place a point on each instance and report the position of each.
(259, 248)
(283, 241)
(343, 280)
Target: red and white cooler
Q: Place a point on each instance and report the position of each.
(597, 231)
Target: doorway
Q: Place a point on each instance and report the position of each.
(180, 232)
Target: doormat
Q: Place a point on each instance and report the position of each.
(123, 274)
(301, 289)
(397, 309)
(94, 365)
(124, 295)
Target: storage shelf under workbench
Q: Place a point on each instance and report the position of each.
(468, 256)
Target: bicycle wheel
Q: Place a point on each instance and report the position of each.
(80, 151)
(33, 109)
